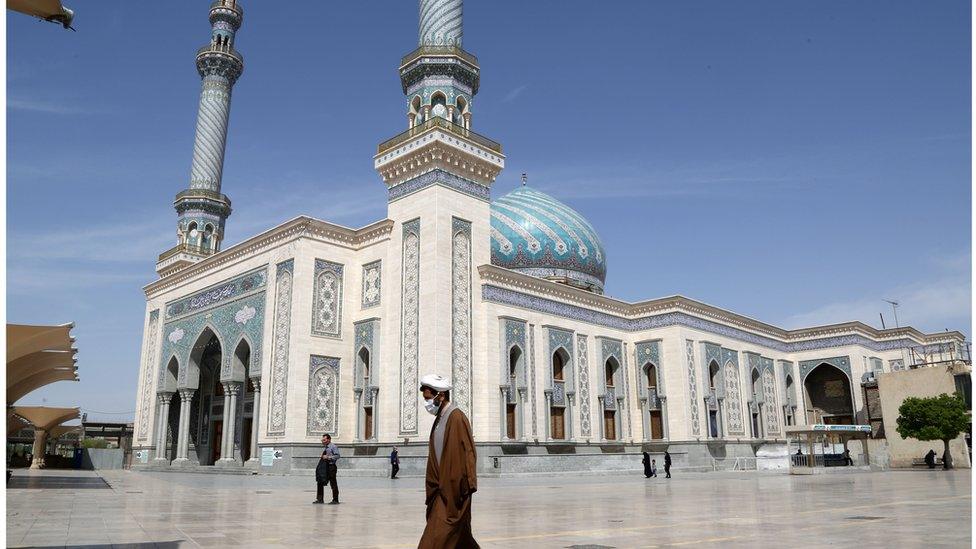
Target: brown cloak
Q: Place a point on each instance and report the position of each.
(450, 484)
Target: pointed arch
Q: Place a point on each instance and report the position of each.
(828, 394)
(206, 343)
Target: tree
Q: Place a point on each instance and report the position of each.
(934, 418)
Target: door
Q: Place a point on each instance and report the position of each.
(218, 428)
(368, 421)
(657, 426)
(609, 425)
(510, 421)
(558, 425)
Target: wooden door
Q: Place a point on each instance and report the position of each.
(368, 420)
(218, 428)
(558, 424)
(657, 427)
(609, 425)
(510, 422)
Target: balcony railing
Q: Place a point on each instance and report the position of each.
(204, 193)
(653, 401)
(184, 248)
(423, 51)
(222, 4)
(223, 49)
(442, 123)
(711, 400)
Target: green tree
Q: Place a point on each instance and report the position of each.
(934, 418)
(94, 443)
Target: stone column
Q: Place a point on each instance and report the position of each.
(232, 389)
(254, 419)
(183, 443)
(164, 402)
(548, 395)
(40, 444)
(520, 415)
(224, 424)
(357, 400)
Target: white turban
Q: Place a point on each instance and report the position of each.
(436, 382)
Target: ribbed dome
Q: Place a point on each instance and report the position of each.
(533, 233)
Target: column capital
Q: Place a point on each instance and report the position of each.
(187, 394)
(256, 381)
(232, 387)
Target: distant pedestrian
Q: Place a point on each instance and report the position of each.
(325, 471)
(654, 468)
(667, 464)
(647, 465)
(930, 459)
(394, 462)
(847, 458)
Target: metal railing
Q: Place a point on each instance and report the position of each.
(734, 464)
(653, 402)
(181, 248)
(423, 51)
(827, 460)
(939, 353)
(442, 123)
(202, 193)
(221, 49)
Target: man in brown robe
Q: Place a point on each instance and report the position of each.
(451, 474)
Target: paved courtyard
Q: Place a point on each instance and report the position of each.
(898, 508)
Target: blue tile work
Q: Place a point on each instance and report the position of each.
(442, 178)
(514, 336)
(372, 284)
(733, 393)
(647, 352)
(409, 327)
(148, 362)
(323, 396)
(560, 339)
(327, 299)
(239, 315)
(505, 296)
(278, 391)
(366, 334)
(693, 415)
(531, 230)
(610, 348)
(441, 22)
(583, 363)
(461, 285)
(218, 293)
(841, 362)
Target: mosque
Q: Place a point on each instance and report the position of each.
(251, 352)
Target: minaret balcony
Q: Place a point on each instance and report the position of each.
(438, 143)
(440, 62)
(438, 51)
(179, 257)
(220, 59)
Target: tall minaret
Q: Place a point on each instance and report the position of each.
(439, 175)
(202, 209)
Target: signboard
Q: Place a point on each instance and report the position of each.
(849, 428)
(142, 456)
(267, 457)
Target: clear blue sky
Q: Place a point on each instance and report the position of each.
(796, 162)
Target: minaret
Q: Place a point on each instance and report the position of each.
(439, 175)
(202, 209)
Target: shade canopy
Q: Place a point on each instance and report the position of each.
(48, 10)
(45, 418)
(38, 356)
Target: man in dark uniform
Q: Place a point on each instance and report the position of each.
(667, 464)
(394, 462)
(325, 471)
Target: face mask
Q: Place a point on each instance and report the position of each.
(431, 406)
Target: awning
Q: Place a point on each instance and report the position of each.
(45, 418)
(38, 356)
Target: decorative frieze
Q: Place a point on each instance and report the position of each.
(692, 389)
(214, 295)
(442, 178)
(733, 394)
(584, 384)
(323, 396)
(152, 331)
(409, 327)
(461, 314)
(532, 379)
(771, 406)
(843, 363)
(327, 299)
(647, 352)
(279, 359)
(372, 284)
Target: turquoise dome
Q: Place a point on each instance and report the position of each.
(533, 233)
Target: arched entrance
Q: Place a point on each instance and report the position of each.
(755, 413)
(655, 421)
(828, 396)
(511, 407)
(206, 433)
(790, 400)
(368, 431)
(714, 381)
(557, 413)
(610, 372)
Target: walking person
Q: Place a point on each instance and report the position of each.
(667, 464)
(647, 465)
(394, 462)
(654, 468)
(325, 471)
(451, 474)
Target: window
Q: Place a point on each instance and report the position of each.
(557, 366)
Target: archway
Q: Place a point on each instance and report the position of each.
(610, 372)
(755, 413)
(655, 421)
(368, 430)
(557, 413)
(511, 406)
(714, 381)
(206, 426)
(790, 400)
(827, 392)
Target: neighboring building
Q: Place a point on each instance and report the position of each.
(930, 376)
(312, 328)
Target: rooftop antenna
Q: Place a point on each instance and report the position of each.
(525, 178)
(894, 310)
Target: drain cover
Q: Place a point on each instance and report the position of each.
(861, 517)
(590, 547)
